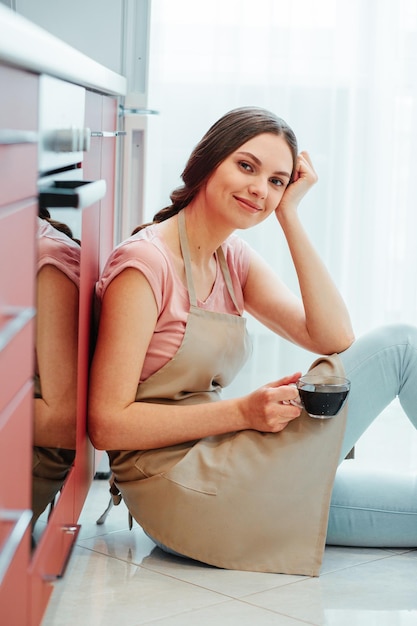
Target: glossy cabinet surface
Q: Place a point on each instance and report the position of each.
(102, 117)
(26, 581)
(18, 206)
(96, 241)
(18, 134)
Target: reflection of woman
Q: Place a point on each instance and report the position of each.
(242, 483)
(58, 273)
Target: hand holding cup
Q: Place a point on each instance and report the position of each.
(322, 396)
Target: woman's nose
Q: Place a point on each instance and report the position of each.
(259, 188)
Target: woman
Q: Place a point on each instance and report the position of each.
(241, 483)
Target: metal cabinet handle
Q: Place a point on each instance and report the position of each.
(68, 538)
(133, 111)
(20, 521)
(20, 316)
(11, 137)
(107, 133)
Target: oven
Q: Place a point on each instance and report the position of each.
(63, 140)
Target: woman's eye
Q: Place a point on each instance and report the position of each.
(276, 181)
(246, 166)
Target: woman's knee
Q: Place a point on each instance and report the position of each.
(391, 339)
(403, 334)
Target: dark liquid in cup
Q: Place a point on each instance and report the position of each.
(323, 403)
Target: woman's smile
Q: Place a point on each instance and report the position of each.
(248, 204)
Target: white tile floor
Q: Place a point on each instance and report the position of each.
(117, 577)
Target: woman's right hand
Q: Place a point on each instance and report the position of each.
(304, 178)
(269, 409)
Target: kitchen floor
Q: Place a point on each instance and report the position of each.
(118, 577)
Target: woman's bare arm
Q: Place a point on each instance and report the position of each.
(116, 421)
(319, 321)
(57, 353)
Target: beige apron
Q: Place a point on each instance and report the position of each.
(50, 467)
(245, 500)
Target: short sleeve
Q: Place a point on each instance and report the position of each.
(64, 255)
(142, 255)
(238, 255)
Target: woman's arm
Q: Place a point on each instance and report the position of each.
(117, 422)
(57, 350)
(319, 322)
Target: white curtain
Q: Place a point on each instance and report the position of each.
(344, 76)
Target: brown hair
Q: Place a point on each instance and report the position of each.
(224, 137)
(44, 214)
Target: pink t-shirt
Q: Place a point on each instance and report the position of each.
(56, 248)
(147, 252)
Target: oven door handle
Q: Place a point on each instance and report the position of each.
(75, 194)
(9, 137)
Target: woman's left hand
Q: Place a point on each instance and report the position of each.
(304, 178)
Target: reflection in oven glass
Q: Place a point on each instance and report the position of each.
(56, 350)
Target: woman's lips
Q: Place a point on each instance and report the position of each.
(248, 204)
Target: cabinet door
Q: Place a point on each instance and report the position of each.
(17, 253)
(100, 161)
(14, 596)
(18, 135)
(109, 148)
(93, 121)
(18, 209)
(15, 446)
(15, 450)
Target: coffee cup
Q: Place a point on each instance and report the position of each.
(322, 396)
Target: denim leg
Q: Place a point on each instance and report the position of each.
(380, 365)
(376, 508)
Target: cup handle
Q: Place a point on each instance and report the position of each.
(294, 403)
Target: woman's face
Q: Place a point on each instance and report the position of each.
(249, 184)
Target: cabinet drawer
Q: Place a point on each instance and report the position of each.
(18, 173)
(18, 128)
(16, 353)
(14, 571)
(16, 450)
(17, 255)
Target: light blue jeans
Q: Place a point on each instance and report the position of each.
(375, 508)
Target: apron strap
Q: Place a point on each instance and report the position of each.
(115, 499)
(185, 251)
(227, 278)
